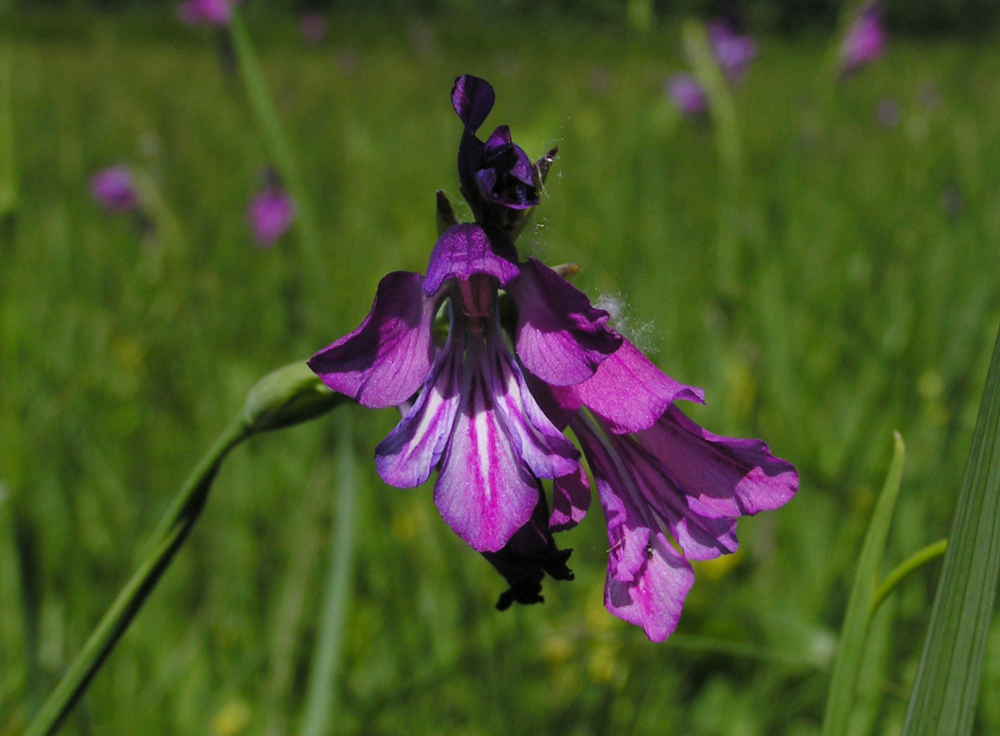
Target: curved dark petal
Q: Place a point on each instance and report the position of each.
(468, 249)
(484, 490)
(472, 99)
(522, 171)
(527, 557)
(570, 500)
(560, 338)
(406, 457)
(498, 141)
(385, 360)
(720, 476)
(486, 179)
(628, 392)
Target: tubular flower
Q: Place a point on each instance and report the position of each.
(660, 477)
(864, 41)
(486, 406)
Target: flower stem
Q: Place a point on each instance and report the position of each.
(321, 695)
(277, 143)
(168, 539)
(915, 562)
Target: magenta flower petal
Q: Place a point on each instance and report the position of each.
(114, 189)
(628, 392)
(385, 360)
(484, 491)
(413, 449)
(864, 41)
(570, 500)
(473, 100)
(720, 476)
(561, 338)
(655, 597)
(543, 448)
(467, 249)
(732, 51)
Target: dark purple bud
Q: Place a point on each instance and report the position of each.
(114, 189)
(472, 99)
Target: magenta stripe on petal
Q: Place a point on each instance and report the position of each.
(561, 338)
(484, 491)
(385, 360)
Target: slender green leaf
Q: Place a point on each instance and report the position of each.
(847, 663)
(8, 163)
(914, 563)
(943, 701)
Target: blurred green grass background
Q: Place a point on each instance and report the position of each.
(867, 300)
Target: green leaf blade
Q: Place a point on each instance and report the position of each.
(944, 697)
(850, 651)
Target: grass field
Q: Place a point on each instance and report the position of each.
(865, 299)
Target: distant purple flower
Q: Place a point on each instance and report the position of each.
(687, 95)
(864, 41)
(114, 189)
(212, 12)
(486, 409)
(496, 177)
(313, 28)
(270, 213)
(732, 51)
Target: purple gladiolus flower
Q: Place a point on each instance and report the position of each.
(114, 189)
(212, 12)
(687, 95)
(864, 42)
(732, 52)
(486, 407)
(270, 213)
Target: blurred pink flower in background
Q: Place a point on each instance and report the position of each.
(864, 41)
(687, 95)
(270, 213)
(213, 12)
(732, 51)
(313, 27)
(114, 189)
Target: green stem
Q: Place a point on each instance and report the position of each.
(320, 699)
(277, 143)
(919, 559)
(168, 539)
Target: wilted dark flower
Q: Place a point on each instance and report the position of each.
(864, 41)
(732, 52)
(687, 95)
(212, 12)
(270, 213)
(486, 407)
(114, 189)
